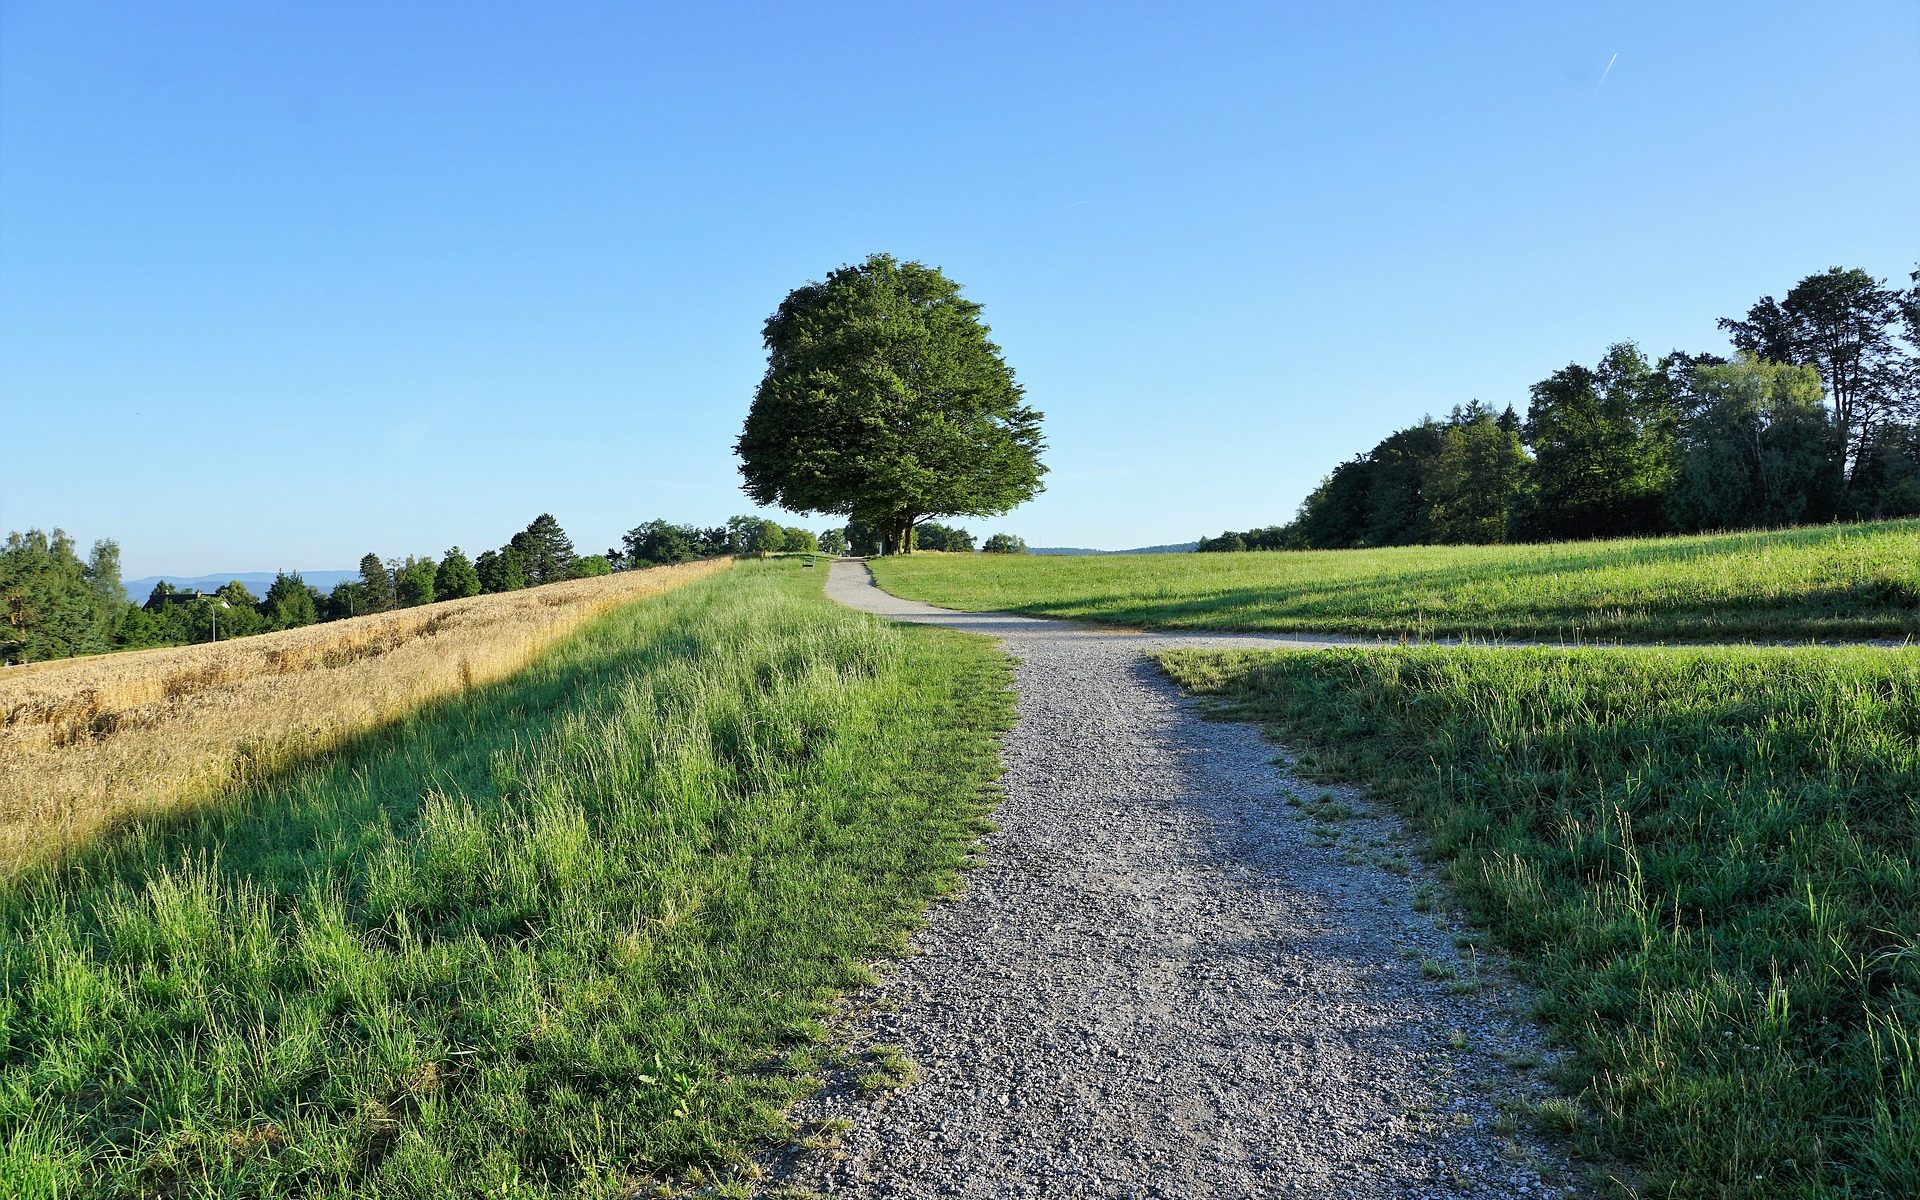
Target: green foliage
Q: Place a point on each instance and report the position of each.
(1004, 543)
(456, 577)
(413, 581)
(863, 538)
(755, 535)
(660, 543)
(231, 612)
(347, 599)
(796, 540)
(1758, 449)
(503, 570)
(834, 542)
(1844, 324)
(1886, 478)
(1843, 581)
(376, 584)
(1476, 477)
(590, 566)
(544, 939)
(1602, 441)
(289, 602)
(52, 604)
(1708, 860)
(546, 552)
(884, 399)
(934, 536)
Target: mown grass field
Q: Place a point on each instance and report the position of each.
(572, 933)
(88, 742)
(1708, 859)
(1829, 582)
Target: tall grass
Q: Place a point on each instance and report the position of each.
(1835, 582)
(1709, 859)
(87, 742)
(568, 934)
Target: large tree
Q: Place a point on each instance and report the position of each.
(52, 604)
(376, 583)
(1602, 440)
(546, 552)
(884, 399)
(289, 602)
(1476, 478)
(1843, 324)
(1758, 448)
(455, 577)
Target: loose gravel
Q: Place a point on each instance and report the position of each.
(1165, 980)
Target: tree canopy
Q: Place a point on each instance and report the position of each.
(885, 400)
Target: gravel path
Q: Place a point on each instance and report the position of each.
(1163, 980)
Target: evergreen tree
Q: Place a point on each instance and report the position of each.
(52, 604)
(456, 577)
(289, 602)
(504, 570)
(546, 551)
(376, 584)
(1476, 478)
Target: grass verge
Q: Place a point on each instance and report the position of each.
(1705, 858)
(571, 933)
(86, 743)
(1842, 582)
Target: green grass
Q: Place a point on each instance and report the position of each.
(1708, 859)
(1838, 582)
(571, 934)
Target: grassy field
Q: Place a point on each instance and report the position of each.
(571, 933)
(1707, 858)
(87, 742)
(1841, 582)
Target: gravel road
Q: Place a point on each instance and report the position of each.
(1163, 980)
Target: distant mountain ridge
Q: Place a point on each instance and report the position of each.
(1173, 548)
(257, 581)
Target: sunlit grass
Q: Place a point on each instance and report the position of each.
(1708, 859)
(1841, 581)
(569, 934)
(87, 742)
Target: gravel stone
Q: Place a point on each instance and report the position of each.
(1164, 981)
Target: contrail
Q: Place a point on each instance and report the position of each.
(1604, 74)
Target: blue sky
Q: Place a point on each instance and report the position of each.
(280, 284)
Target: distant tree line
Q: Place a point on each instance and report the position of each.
(55, 604)
(1816, 417)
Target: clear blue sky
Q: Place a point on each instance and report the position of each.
(280, 284)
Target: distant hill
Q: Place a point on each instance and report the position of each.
(1175, 548)
(257, 581)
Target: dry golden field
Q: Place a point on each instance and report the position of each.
(87, 742)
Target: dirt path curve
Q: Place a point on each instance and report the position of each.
(1164, 981)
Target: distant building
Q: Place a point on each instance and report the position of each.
(159, 599)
